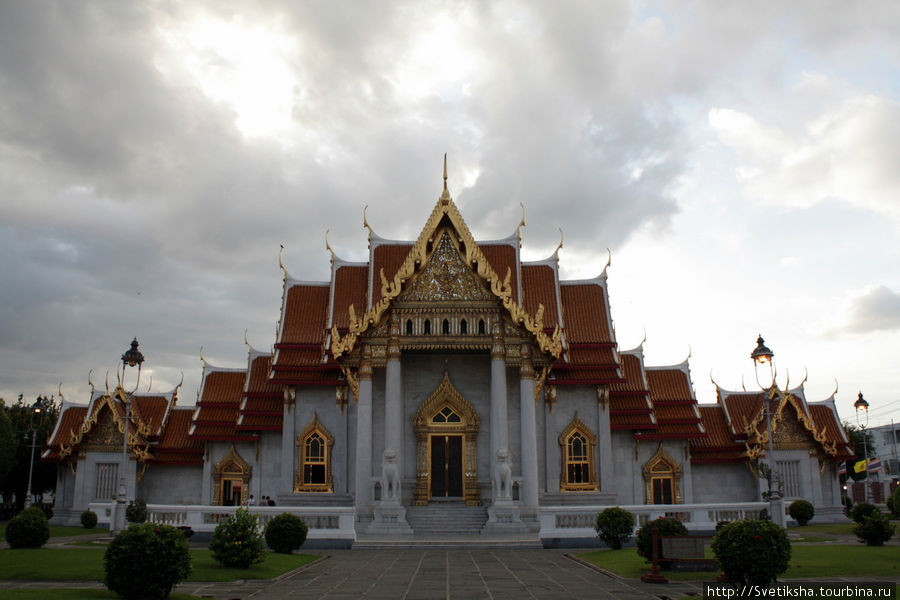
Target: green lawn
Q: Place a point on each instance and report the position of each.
(59, 531)
(86, 564)
(832, 528)
(72, 594)
(806, 561)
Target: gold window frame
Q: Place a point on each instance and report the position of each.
(577, 426)
(232, 467)
(314, 428)
(662, 466)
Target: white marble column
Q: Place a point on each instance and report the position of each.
(393, 398)
(529, 492)
(499, 412)
(364, 434)
(604, 440)
(288, 446)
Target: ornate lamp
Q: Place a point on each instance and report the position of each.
(35, 420)
(131, 358)
(762, 355)
(862, 405)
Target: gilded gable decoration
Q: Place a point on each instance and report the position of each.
(426, 244)
(791, 430)
(105, 435)
(231, 469)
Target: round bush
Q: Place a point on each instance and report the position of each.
(136, 511)
(88, 519)
(237, 541)
(752, 552)
(614, 526)
(861, 510)
(146, 561)
(285, 533)
(665, 526)
(801, 511)
(28, 529)
(893, 502)
(874, 529)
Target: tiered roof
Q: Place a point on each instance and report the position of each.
(569, 321)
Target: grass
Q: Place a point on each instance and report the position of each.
(59, 531)
(86, 564)
(806, 561)
(72, 594)
(829, 528)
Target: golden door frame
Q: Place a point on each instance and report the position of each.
(425, 427)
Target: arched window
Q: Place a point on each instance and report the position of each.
(445, 327)
(427, 328)
(480, 326)
(314, 459)
(578, 471)
(463, 327)
(409, 327)
(662, 477)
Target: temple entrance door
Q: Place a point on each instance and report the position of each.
(446, 466)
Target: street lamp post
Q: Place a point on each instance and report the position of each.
(35, 420)
(862, 405)
(131, 358)
(762, 355)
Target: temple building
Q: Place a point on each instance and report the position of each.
(446, 381)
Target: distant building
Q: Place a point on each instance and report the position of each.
(887, 447)
(445, 373)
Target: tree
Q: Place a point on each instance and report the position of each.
(43, 477)
(7, 443)
(856, 436)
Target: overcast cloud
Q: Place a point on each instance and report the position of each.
(154, 156)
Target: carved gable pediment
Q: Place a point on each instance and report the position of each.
(104, 435)
(445, 277)
(789, 433)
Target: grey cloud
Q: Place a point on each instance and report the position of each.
(876, 310)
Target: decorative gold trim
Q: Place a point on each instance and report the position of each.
(76, 436)
(418, 255)
(577, 426)
(670, 470)
(757, 444)
(300, 441)
(449, 396)
(246, 471)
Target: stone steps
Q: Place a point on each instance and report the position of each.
(446, 518)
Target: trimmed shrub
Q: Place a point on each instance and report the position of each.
(666, 526)
(285, 533)
(874, 529)
(237, 541)
(752, 552)
(136, 511)
(893, 502)
(614, 526)
(861, 510)
(146, 561)
(801, 511)
(28, 529)
(88, 519)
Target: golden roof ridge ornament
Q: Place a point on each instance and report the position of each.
(328, 246)
(521, 225)
(445, 195)
(284, 273)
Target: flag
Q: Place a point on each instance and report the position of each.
(874, 465)
(842, 470)
(859, 466)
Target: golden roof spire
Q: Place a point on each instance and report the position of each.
(445, 196)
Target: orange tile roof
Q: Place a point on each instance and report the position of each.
(718, 445)
(70, 420)
(502, 257)
(539, 287)
(350, 287)
(388, 257)
(585, 313)
(824, 417)
(259, 383)
(150, 410)
(305, 312)
(632, 377)
(669, 385)
(175, 436)
(217, 410)
(742, 408)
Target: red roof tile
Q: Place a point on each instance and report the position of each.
(350, 287)
(388, 257)
(305, 312)
(585, 313)
(502, 258)
(539, 287)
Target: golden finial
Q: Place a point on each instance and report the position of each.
(521, 223)
(61, 397)
(559, 247)
(203, 360)
(284, 272)
(91, 383)
(608, 260)
(150, 385)
(328, 246)
(445, 195)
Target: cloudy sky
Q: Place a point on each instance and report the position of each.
(742, 166)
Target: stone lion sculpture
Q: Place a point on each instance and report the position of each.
(503, 475)
(390, 476)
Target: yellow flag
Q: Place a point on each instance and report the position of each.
(859, 467)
